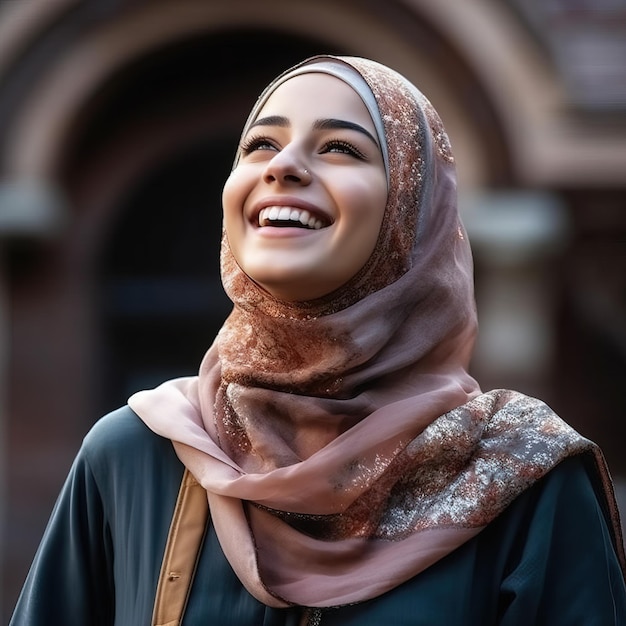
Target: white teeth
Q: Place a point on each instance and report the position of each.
(288, 214)
(271, 214)
(284, 214)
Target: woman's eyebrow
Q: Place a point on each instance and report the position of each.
(322, 124)
(272, 120)
(340, 124)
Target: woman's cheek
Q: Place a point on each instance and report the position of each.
(234, 196)
(230, 191)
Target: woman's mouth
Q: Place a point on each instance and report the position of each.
(285, 216)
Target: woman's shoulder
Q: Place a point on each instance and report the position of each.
(121, 438)
(121, 427)
(572, 500)
(580, 480)
(574, 482)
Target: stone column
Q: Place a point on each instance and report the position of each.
(516, 236)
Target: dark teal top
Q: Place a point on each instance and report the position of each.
(547, 560)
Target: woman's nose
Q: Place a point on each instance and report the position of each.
(286, 168)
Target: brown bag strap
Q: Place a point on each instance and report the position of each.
(182, 552)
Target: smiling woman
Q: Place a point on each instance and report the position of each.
(351, 469)
(304, 206)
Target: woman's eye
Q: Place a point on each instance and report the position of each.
(342, 147)
(253, 144)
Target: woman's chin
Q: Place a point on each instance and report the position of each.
(295, 287)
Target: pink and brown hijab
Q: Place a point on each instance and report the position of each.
(343, 446)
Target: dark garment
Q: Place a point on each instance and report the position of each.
(547, 560)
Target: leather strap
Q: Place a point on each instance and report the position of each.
(182, 552)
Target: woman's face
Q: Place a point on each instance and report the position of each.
(304, 206)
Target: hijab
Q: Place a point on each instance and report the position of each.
(342, 443)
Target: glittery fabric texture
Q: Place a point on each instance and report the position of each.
(342, 443)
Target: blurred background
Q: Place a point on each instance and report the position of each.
(118, 124)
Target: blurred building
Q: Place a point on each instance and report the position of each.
(118, 123)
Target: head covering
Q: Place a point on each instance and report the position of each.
(342, 443)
